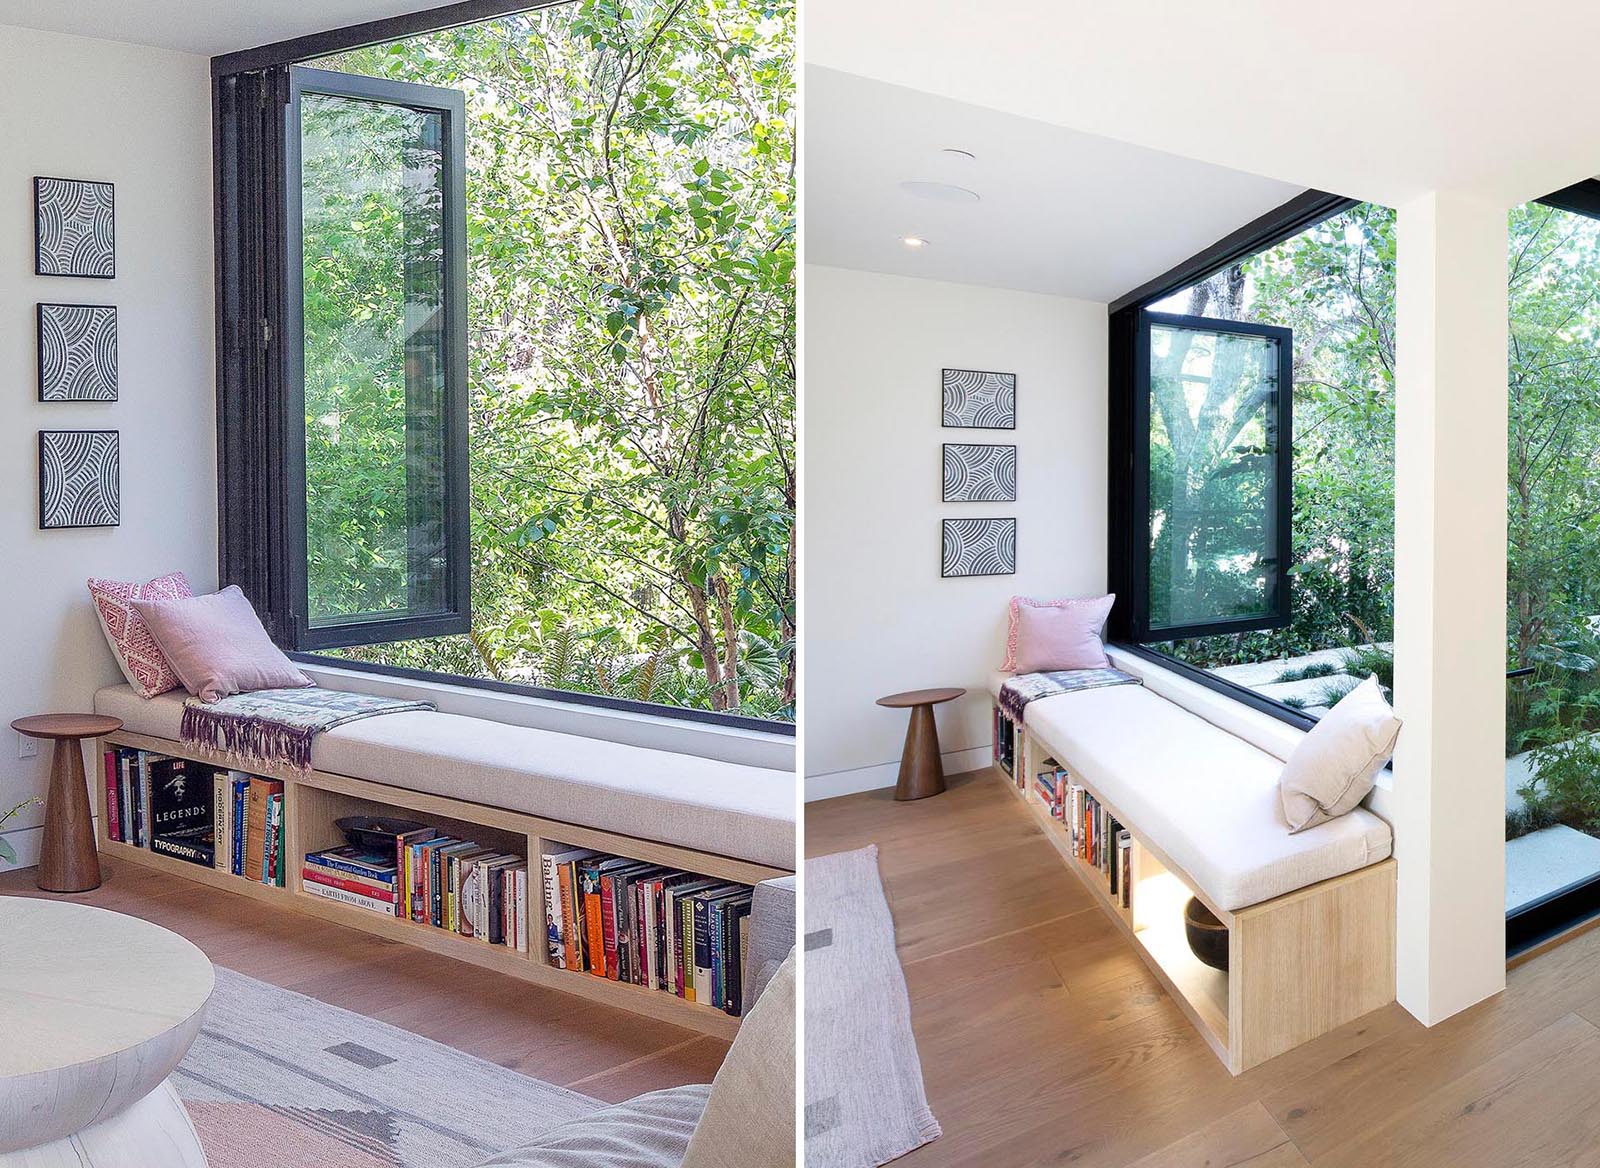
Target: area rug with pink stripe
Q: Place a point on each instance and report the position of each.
(278, 1079)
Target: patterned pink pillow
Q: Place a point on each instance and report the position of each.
(1090, 603)
(136, 651)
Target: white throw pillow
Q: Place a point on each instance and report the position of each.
(749, 1118)
(1333, 768)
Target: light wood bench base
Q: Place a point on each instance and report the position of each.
(314, 799)
(1298, 966)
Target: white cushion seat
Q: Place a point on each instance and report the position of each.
(724, 808)
(1205, 798)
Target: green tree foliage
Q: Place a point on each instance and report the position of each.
(630, 196)
(1334, 286)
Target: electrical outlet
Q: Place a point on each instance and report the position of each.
(27, 747)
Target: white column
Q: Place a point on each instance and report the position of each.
(1450, 601)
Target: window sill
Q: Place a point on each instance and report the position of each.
(747, 746)
(1263, 723)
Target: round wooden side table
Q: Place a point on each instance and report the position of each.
(921, 772)
(68, 858)
(97, 1009)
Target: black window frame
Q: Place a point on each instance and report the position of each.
(455, 616)
(251, 89)
(1127, 495)
(1281, 497)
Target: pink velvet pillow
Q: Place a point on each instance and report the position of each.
(1061, 637)
(1093, 604)
(216, 645)
(136, 651)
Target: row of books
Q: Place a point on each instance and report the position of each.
(1097, 838)
(226, 820)
(1005, 742)
(432, 879)
(632, 921)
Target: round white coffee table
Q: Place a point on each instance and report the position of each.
(96, 1010)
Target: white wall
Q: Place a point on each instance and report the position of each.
(877, 616)
(140, 118)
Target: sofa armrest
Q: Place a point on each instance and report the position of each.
(772, 930)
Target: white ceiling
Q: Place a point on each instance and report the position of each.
(1061, 211)
(207, 27)
(1370, 98)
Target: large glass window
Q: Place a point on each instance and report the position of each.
(1218, 400)
(1270, 553)
(1553, 547)
(588, 401)
(381, 341)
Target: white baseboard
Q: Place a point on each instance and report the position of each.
(873, 778)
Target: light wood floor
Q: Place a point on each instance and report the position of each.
(1044, 1040)
(560, 1038)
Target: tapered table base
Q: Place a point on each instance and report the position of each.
(68, 858)
(921, 769)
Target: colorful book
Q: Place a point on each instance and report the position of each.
(328, 892)
(556, 915)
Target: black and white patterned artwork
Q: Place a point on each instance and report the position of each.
(979, 400)
(75, 232)
(80, 478)
(77, 352)
(975, 472)
(979, 547)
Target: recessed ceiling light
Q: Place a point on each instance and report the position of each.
(958, 155)
(939, 192)
(914, 242)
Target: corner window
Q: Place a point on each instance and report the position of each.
(506, 325)
(1252, 554)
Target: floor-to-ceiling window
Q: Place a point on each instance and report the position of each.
(1553, 566)
(537, 386)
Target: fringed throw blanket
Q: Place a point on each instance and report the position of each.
(276, 726)
(1018, 691)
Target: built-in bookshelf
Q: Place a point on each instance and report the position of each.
(313, 801)
(1275, 993)
(1132, 884)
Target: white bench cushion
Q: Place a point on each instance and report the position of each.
(719, 807)
(1205, 798)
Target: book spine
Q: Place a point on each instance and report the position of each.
(685, 955)
(313, 875)
(402, 868)
(182, 851)
(608, 922)
(732, 962)
(110, 762)
(436, 888)
(219, 816)
(495, 930)
(594, 949)
(640, 928)
(314, 862)
(555, 919)
(269, 843)
(419, 892)
(519, 919)
(714, 915)
(577, 937)
(328, 892)
(467, 917)
(702, 951)
(345, 865)
(144, 799)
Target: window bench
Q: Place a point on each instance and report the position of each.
(512, 787)
(1310, 916)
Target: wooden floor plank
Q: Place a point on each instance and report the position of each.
(1046, 1041)
(560, 1038)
